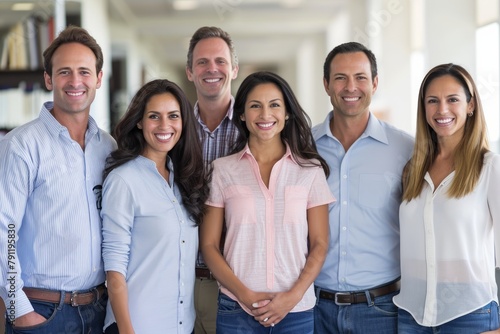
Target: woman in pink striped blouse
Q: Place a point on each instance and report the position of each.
(273, 197)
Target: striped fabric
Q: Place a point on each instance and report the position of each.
(50, 195)
(215, 145)
(218, 143)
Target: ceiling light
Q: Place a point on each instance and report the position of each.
(23, 6)
(291, 3)
(185, 4)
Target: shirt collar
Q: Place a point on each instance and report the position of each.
(229, 113)
(246, 152)
(373, 129)
(152, 165)
(55, 128)
(323, 129)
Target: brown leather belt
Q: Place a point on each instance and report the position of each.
(72, 298)
(356, 297)
(204, 273)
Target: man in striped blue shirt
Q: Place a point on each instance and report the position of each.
(50, 190)
(212, 64)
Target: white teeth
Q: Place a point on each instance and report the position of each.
(75, 94)
(266, 125)
(212, 80)
(444, 120)
(351, 99)
(164, 137)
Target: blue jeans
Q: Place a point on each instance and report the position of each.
(232, 319)
(66, 319)
(376, 316)
(481, 320)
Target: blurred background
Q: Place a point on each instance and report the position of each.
(148, 39)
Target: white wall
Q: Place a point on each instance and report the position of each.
(408, 37)
(94, 18)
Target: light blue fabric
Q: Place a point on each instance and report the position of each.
(148, 237)
(364, 221)
(50, 191)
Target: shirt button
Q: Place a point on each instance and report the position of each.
(344, 202)
(344, 176)
(344, 228)
(182, 302)
(344, 253)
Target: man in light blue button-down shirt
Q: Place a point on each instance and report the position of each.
(50, 187)
(366, 157)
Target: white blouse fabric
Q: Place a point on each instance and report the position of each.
(448, 248)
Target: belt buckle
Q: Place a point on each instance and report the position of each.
(341, 294)
(74, 303)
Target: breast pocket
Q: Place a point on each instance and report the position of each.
(295, 205)
(375, 190)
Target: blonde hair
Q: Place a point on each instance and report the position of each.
(469, 154)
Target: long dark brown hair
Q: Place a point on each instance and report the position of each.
(190, 174)
(297, 131)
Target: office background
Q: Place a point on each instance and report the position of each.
(148, 39)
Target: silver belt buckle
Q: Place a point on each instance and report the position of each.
(74, 303)
(341, 294)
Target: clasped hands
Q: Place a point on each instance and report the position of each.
(270, 308)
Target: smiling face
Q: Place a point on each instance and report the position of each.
(74, 80)
(351, 85)
(212, 71)
(446, 107)
(265, 113)
(161, 126)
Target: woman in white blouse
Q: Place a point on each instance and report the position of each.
(450, 215)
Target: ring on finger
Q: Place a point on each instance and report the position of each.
(272, 324)
(266, 319)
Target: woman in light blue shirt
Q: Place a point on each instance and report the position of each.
(154, 190)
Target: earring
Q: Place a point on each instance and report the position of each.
(242, 118)
(286, 118)
(470, 114)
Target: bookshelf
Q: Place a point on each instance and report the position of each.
(23, 38)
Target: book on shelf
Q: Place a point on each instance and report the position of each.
(31, 34)
(5, 50)
(23, 45)
(19, 106)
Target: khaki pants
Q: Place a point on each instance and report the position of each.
(206, 292)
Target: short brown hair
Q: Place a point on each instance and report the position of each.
(210, 32)
(72, 34)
